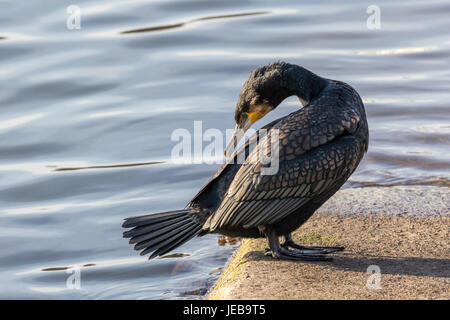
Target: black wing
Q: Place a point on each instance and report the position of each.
(316, 153)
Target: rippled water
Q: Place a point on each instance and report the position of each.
(86, 119)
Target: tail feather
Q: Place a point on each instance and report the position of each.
(161, 232)
(169, 247)
(155, 240)
(152, 218)
(168, 241)
(137, 231)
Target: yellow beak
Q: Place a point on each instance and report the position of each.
(239, 132)
(254, 116)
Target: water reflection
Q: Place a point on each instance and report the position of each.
(224, 240)
(180, 24)
(395, 51)
(110, 166)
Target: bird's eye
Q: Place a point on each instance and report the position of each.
(244, 115)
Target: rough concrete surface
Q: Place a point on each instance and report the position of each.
(402, 231)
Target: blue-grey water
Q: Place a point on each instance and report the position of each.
(86, 113)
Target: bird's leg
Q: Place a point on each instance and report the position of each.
(280, 252)
(288, 242)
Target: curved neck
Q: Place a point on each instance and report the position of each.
(302, 83)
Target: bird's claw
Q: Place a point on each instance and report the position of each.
(317, 249)
(297, 255)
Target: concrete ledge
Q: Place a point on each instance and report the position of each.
(411, 250)
(401, 201)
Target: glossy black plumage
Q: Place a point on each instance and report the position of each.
(320, 146)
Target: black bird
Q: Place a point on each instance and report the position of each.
(319, 147)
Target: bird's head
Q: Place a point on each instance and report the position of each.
(264, 90)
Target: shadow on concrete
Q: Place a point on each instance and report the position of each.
(411, 266)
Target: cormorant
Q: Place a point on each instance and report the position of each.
(319, 147)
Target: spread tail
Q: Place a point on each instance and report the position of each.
(161, 232)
